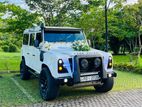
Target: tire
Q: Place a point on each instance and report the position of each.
(107, 85)
(24, 71)
(49, 88)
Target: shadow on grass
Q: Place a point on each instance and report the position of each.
(65, 91)
(69, 92)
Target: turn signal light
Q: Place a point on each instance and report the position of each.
(60, 68)
(110, 62)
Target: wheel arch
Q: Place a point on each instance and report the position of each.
(23, 58)
(44, 65)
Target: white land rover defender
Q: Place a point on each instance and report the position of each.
(52, 53)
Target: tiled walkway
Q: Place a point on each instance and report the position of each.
(131, 98)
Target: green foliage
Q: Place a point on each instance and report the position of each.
(8, 40)
(13, 48)
(123, 20)
(136, 49)
(13, 24)
(56, 12)
(5, 48)
(129, 68)
(10, 48)
(115, 44)
(17, 20)
(128, 63)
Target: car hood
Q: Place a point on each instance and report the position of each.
(68, 51)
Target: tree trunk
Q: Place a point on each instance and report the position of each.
(139, 40)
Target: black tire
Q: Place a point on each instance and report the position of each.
(49, 88)
(107, 85)
(24, 71)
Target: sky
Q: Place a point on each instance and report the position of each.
(22, 3)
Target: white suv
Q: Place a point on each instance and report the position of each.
(49, 53)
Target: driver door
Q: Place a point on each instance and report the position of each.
(36, 53)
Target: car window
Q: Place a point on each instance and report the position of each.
(63, 36)
(32, 39)
(25, 39)
(38, 39)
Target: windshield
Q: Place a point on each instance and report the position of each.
(63, 36)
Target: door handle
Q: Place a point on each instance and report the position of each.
(28, 53)
(33, 55)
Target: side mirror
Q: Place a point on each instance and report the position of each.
(89, 42)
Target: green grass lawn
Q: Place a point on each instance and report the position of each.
(125, 59)
(121, 59)
(10, 94)
(9, 61)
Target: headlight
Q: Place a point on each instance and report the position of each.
(61, 68)
(84, 63)
(97, 62)
(60, 61)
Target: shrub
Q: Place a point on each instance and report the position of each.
(13, 48)
(10, 48)
(5, 48)
(128, 68)
(1, 49)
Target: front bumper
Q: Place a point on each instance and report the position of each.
(72, 81)
(75, 79)
(113, 74)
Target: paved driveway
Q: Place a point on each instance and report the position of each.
(131, 98)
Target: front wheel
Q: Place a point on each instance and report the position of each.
(107, 85)
(49, 88)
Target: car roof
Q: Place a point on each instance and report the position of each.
(62, 28)
(48, 28)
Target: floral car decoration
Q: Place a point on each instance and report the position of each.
(45, 46)
(80, 45)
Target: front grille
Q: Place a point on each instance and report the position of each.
(91, 67)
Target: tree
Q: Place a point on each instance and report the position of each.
(13, 21)
(16, 19)
(55, 12)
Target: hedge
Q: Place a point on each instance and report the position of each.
(128, 68)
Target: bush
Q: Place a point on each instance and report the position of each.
(5, 48)
(1, 49)
(128, 68)
(10, 48)
(13, 48)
